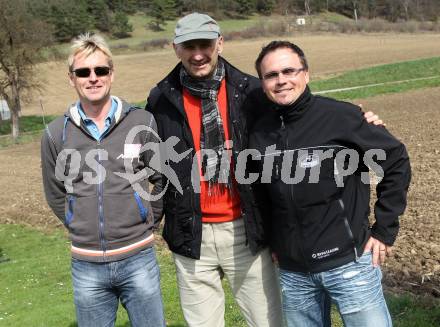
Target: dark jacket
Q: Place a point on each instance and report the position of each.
(183, 217)
(106, 217)
(320, 221)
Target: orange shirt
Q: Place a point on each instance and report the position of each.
(217, 207)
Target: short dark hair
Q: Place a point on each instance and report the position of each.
(275, 45)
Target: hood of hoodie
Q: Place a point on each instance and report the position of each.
(122, 109)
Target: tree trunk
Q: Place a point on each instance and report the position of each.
(307, 7)
(405, 5)
(355, 11)
(15, 109)
(15, 125)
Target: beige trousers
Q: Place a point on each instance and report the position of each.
(253, 279)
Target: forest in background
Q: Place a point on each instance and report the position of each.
(66, 18)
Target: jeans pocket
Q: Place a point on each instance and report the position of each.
(366, 259)
(147, 258)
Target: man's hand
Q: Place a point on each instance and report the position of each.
(372, 118)
(379, 249)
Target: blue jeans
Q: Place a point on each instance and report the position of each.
(354, 287)
(134, 281)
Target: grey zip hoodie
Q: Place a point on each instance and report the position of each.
(89, 187)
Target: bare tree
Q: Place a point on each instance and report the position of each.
(406, 4)
(22, 39)
(355, 5)
(307, 7)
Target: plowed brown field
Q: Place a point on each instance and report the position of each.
(136, 74)
(414, 117)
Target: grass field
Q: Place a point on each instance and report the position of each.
(390, 78)
(35, 283)
(142, 33)
(35, 286)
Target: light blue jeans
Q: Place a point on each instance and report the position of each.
(134, 281)
(354, 287)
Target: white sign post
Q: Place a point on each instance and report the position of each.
(5, 113)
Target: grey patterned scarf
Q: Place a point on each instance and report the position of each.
(215, 160)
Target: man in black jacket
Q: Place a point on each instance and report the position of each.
(211, 222)
(314, 185)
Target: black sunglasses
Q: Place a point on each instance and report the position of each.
(85, 72)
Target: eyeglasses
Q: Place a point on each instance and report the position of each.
(85, 72)
(288, 72)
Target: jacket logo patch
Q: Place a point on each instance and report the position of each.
(309, 161)
(131, 151)
(324, 254)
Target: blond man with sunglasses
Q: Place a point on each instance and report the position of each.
(110, 224)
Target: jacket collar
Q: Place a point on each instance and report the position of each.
(295, 110)
(121, 111)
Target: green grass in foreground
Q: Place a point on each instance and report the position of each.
(382, 74)
(35, 282)
(35, 286)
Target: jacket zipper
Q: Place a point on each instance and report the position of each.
(188, 137)
(243, 214)
(348, 229)
(100, 189)
(101, 194)
(188, 188)
(234, 129)
(101, 205)
(298, 226)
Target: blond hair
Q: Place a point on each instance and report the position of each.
(87, 44)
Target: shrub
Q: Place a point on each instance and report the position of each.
(155, 43)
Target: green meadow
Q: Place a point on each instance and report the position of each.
(35, 286)
(390, 78)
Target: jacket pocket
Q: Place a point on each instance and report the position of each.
(143, 211)
(69, 210)
(325, 231)
(179, 218)
(83, 224)
(125, 217)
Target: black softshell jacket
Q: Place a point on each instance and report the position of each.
(314, 188)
